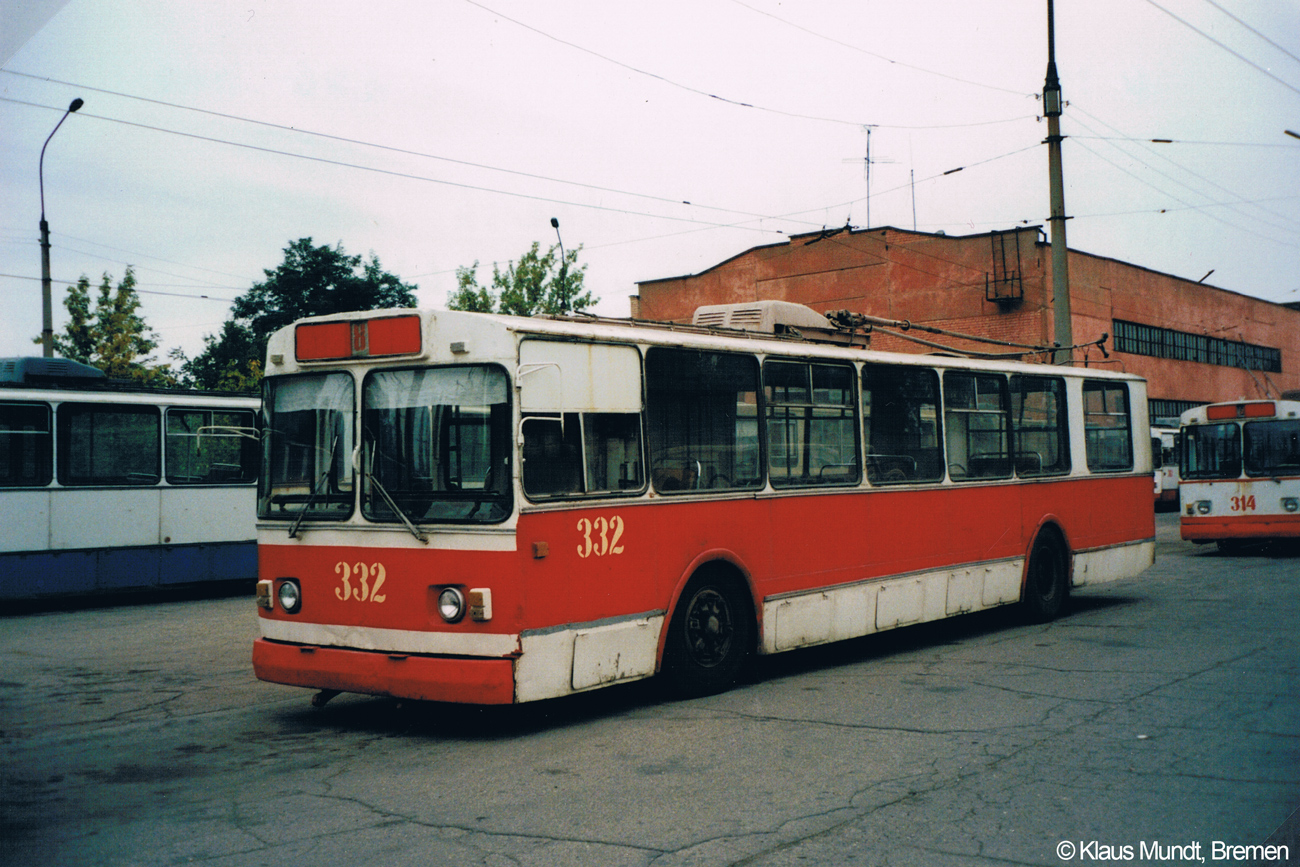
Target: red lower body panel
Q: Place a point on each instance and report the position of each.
(424, 678)
(1261, 527)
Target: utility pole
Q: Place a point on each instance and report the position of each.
(1063, 332)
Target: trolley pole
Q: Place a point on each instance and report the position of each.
(1063, 331)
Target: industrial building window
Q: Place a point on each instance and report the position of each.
(1167, 411)
(1181, 346)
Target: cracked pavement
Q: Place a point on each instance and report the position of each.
(1163, 708)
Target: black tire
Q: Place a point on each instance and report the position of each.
(710, 635)
(1047, 582)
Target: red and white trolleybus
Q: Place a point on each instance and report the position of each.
(1241, 472)
(485, 509)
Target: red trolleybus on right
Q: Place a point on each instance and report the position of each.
(1241, 472)
(487, 509)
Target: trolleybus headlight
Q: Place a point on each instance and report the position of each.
(1290, 503)
(290, 596)
(451, 604)
(1203, 506)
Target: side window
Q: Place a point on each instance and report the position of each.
(1039, 422)
(702, 410)
(1106, 427)
(975, 423)
(900, 413)
(102, 444)
(811, 429)
(573, 453)
(211, 446)
(26, 446)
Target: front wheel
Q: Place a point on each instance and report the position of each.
(709, 637)
(1047, 584)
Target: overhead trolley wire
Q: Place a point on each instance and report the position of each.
(1243, 58)
(376, 170)
(378, 146)
(888, 60)
(726, 99)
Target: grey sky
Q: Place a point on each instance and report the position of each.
(470, 124)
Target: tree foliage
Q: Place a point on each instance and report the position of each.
(311, 281)
(112, 335)
(545, 283)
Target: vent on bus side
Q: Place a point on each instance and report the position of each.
(770, 317)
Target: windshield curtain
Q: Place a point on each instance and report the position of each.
(1272, 448)
(307, 447)
(436, 445)
(1211, 451)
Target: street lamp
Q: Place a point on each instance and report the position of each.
(47, 314)
(564, 265)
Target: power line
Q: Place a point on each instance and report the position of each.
(388, 172)
(1189, 205)
(376, 145)
(1235, 54)
(137, 289)
(699, 92)
(1253, 30)
(1234, 144)
(888, 60)
(1183, 168)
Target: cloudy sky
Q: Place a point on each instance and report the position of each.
(665, 137)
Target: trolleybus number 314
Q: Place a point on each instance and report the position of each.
(362, 573)
(606, 532)
(1243, 504)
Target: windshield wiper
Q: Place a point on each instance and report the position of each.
(316, 489)
(392, 504)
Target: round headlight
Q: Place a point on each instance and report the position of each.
(451, 604)
(290, 596)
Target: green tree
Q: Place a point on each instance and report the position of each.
(112, 336)
(311, 281)
(538, 283)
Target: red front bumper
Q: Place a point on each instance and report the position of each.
(1261, 527)
(422, 678)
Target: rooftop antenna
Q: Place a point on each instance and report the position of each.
(866, 162)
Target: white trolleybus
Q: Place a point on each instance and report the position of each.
(108, 487)
(1164, 454)
(484, 509)
(1241, 472)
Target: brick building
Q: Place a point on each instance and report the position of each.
(1194, 343)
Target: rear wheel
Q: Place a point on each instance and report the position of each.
(710, 635)
(1047, 584)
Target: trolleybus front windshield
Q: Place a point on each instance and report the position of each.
(1212, 451)
(1272, 447)
(307, 448)
(435, 445)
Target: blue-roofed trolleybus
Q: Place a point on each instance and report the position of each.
(107, 487)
